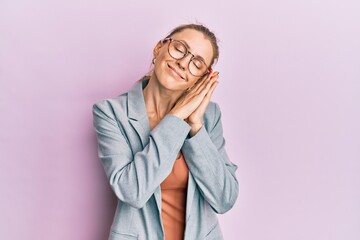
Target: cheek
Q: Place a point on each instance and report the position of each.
(162, 55)
(160, 63)
(159, 67)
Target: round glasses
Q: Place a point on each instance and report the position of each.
(178, 50)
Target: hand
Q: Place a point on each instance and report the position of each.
(195, 118)
(192, 105)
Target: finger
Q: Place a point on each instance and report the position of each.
(198, 93)
(196, 86)
(206, 82)
(209, 84)
(211, 90)
(205, 102)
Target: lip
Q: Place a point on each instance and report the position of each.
(175, 72)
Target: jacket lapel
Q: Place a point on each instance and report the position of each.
(137, 112)
(140, 122)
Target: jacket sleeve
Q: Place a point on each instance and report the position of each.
(134, 177)
(210, 166)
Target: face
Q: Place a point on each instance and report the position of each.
(174, 74)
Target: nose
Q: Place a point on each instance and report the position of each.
(184, 62)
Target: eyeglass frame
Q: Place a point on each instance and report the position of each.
(187, 53)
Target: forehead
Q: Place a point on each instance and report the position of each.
(198, 43)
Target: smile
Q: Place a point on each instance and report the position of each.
(176, 73)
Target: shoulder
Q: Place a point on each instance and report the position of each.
(111, 106)
(130, 103)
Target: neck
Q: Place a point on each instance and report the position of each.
(159, 100)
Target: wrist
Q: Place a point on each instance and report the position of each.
(175, 114)
(195, 128)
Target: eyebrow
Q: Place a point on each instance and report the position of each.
(198, 56)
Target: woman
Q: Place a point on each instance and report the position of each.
(162, 145)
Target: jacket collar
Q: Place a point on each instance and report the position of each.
(136, 102)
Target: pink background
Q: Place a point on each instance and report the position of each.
(289, 93)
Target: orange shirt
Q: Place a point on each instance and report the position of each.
(173, 195)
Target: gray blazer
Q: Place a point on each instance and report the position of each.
(137, 159)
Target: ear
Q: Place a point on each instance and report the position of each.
(157, 48)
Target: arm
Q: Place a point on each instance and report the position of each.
(134, 177)
(210, 166)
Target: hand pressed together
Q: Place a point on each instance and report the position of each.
(192, 104)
